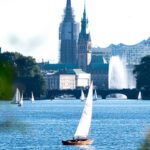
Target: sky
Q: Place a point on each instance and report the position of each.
(31, 26)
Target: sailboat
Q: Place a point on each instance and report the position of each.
(81, 134)
(32, 98)
(16, 97)
(82, 98)
(21, 101)
(95, 95)
(139, 96)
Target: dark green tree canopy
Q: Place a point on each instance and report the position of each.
(18, 71)
(142, 73)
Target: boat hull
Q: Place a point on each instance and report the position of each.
(78, 142)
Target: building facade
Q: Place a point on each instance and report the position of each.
(131, 53)
(68, 36)
(99, 72)
(67, 79)
(84, 45)
(83, 79)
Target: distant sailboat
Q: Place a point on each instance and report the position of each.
(21, 101)
(32, 97)
(16, 97)
(81, 134)
(95, 95)
(82, 98)
(139, 96)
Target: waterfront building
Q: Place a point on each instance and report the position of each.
(51, 80)
(98, 69)
(67, 79)
(84, 45)
(131, 53)
(83, 79)
(106, 53)
(47, 67)
(68, 36)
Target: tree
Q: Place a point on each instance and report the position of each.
(142, 73)
(146, 143)
(6, 80)
(25, 74)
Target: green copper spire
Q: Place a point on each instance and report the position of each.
(84, 21)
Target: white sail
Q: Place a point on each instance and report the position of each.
(95, 95)
(85, 121)
(139, 96)
(82, 95)
(16, 97)
(21, 100)
(32, 98)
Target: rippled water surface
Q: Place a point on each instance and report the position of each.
(116, 124)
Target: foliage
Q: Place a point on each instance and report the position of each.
(6, 80)
(142, 73)
(23, 72)
(146, 144)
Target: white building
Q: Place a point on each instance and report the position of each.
(67, 80)
(83, 79)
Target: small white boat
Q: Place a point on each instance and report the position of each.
(21, 101)
(140, 96)
(82, 97)
(95, 96)
(16, 97)
(81, 134)
(32, 97)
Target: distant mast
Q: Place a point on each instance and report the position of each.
(32, 97)
(16, 97)
(82, 98)
(21, 101)
(140, 96)
(95, 95)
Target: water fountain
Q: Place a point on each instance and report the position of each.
(119, 76)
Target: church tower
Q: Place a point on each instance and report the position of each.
(84, 45)
(68, 36)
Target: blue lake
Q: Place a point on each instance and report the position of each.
(116, 124)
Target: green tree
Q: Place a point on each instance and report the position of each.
(142, 73)
(146, 143)
(6, 80)
(25, 74)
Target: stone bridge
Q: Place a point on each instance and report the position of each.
(131, 94)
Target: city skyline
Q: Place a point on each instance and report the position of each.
(31, 27)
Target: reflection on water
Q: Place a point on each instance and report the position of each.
(117, 125)
(86, 147)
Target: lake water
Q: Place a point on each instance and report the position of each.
(116, 124)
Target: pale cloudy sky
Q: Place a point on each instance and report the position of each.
(31, 26)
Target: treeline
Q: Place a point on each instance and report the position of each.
(18, 71)
(142, 73)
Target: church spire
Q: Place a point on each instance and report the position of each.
(68, 12)
(84, 21)
(68, 4)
